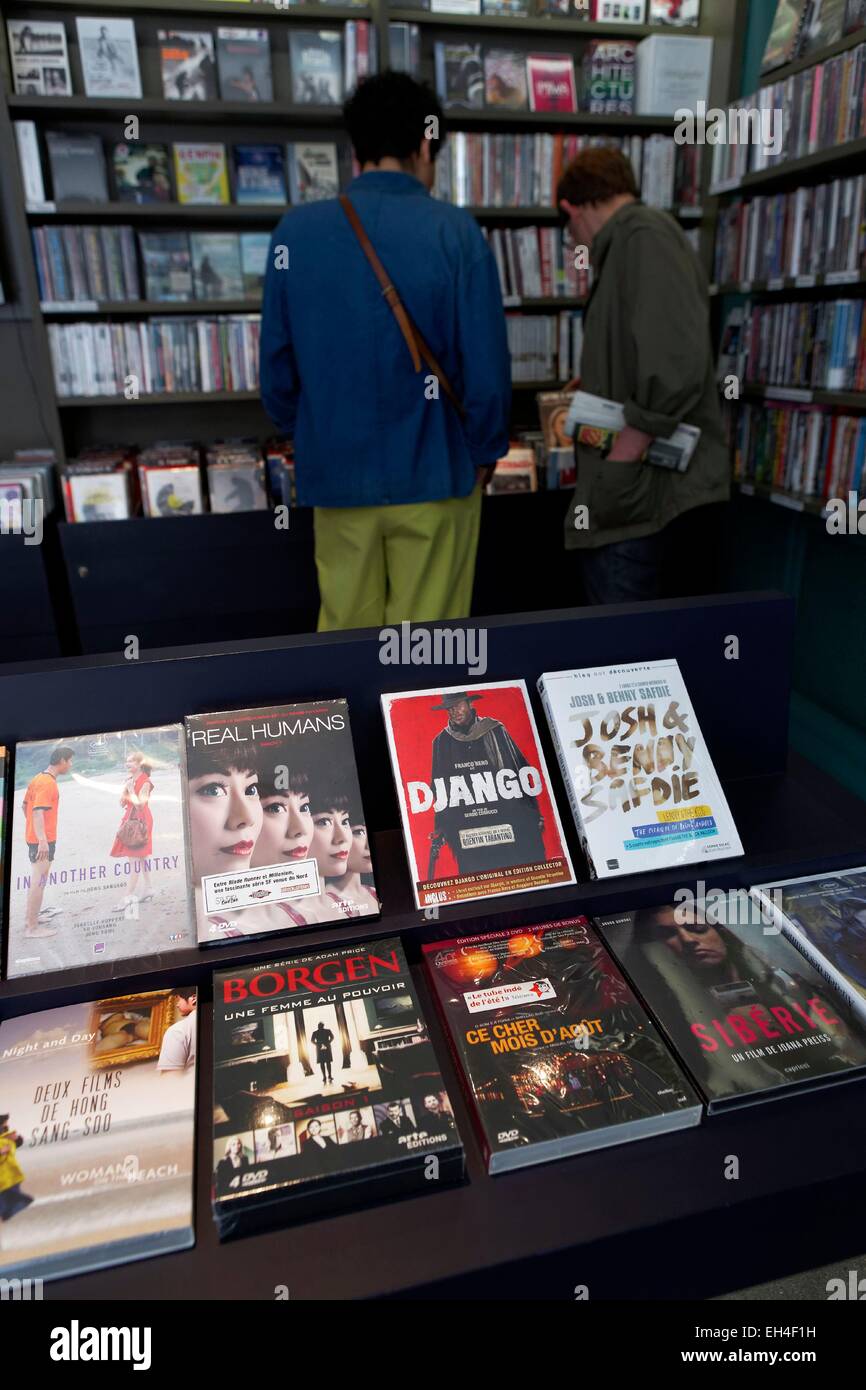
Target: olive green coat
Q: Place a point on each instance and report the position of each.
(647, 345)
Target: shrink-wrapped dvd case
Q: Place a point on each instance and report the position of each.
(555, 1052)
(479, 818)
(326, 1087)
(278, 835)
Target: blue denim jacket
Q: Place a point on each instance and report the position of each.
(336, 373)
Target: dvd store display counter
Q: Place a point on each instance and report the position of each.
(665, 1217)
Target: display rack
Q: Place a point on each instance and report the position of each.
(623, 1220)
(71, 424)
(217, 120)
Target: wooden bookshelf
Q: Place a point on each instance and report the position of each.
(526, 24)
(163, 398)
(233, 14)
(804, 395)
(460, 118)
(833, 282)
(178, 112)
(156, 212)
(87, 308)
(765, 492)
(165, 120)
(813, 59)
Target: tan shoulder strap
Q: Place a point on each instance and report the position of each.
(412, 335)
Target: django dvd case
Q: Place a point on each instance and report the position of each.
(746, 1013)
(97, 851)
(278, 835)
(97, 1133)
(479, 817)
(326, 1087)
(555, 1052)
(643, 790)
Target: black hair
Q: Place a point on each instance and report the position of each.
(225, 757)
(389, 115)
(330, 796)
(60, 754)
(299, 782)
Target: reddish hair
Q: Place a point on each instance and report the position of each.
(595, 176)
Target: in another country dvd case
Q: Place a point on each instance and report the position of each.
(745, 1012)
(640, 779)
(554, 1051)
(824, 915)
(327, 1089)
(478, 813)
(97, 850)
(97, 1133)
(278, 834)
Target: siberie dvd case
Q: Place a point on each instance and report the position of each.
(97, 1133)
(555, 1052)
(278, 836)
(97, 853)
(326, 1087)
(745, 1012)
(643, 790)
(478, 812)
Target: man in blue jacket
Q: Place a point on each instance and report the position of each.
(391, 467)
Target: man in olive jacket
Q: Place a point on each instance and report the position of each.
(647, 346)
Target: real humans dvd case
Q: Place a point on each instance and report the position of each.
(278, 835)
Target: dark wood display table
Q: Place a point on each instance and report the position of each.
(655, 1219)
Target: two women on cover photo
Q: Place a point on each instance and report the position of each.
(247, 811)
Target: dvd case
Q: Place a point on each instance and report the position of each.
(746, 1013)
(97, 858)
(326, 1087)
(277, 828)
(478, 814)
(97, 1133)
(824, 916)
(554, 1051)
(640, 779)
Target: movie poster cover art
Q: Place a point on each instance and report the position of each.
(324, 1074)
(747, 1014)
(97, 1133)
(824, 915)
(97, 854)
(555, 1052)
(479, 818)
(278, 834)
(643, 790)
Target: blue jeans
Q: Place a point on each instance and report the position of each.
(623, 572)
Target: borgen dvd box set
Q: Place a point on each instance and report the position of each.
(567, 1034)
(325, 1079)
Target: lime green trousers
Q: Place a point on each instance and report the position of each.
(379, 566)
